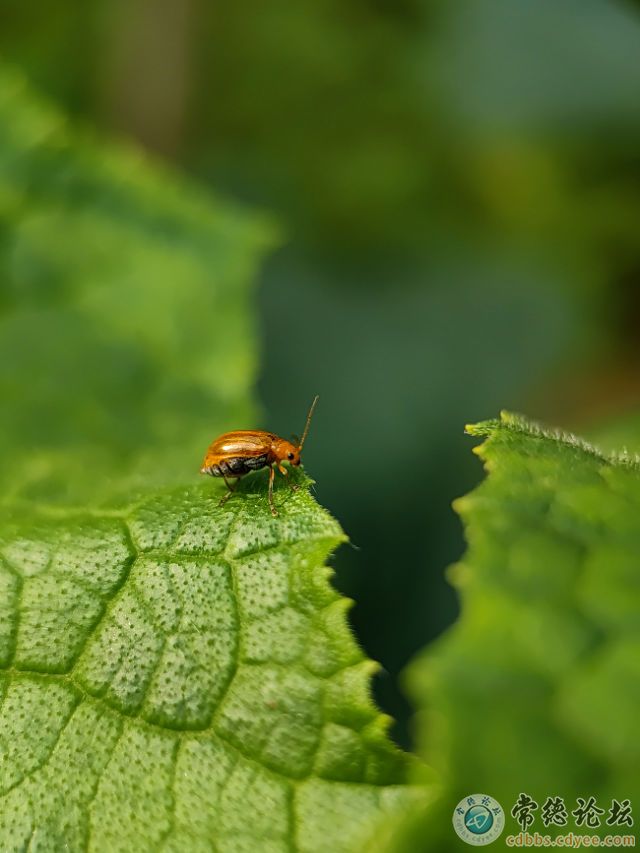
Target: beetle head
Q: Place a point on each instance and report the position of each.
(286, 451)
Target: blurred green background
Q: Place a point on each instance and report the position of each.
(457, 187)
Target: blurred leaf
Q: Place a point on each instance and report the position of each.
(126, 333)
(536, 688)
(179, 676)
(564, 67)
(37, 34)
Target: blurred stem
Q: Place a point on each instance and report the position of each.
(148, 73)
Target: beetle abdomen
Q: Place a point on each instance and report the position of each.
(237, 466)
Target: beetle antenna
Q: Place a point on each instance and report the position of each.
(309, 416)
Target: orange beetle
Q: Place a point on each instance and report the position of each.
(237, 453)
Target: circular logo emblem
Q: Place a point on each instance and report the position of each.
(478, 819)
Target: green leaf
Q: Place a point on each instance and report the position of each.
(536, 688)
(126, 316)
(174, 675)
(180, 676)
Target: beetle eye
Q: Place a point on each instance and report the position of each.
(290, 456)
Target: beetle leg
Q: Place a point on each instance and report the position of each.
(272, 476)
(229, 493)
(283, 470)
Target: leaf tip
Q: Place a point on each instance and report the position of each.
(458, 574)
(482, 428)
(461, 505)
